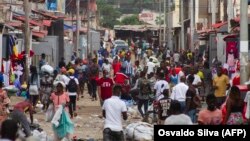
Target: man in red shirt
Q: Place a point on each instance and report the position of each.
(116, 65)
(120, 77)
(105, 87)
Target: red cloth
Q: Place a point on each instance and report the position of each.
(116, 67)
(236, 80)
(120, 78)
(232, 46)
(106, 85)
(177, 70)
(224, 112)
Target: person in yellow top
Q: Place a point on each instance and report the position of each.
(189, 55)
(220, 84)
(200, 74)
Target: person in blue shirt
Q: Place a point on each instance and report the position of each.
(1, 77)
(174, 77)
(17, 84)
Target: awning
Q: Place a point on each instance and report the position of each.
(47, 23)
(14, 24)
(4, 25)
(21, 18)
(43, 13)
(218, 25)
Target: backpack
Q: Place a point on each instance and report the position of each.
(145, 87)
(72, 86)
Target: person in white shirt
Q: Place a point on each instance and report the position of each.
(150, 66)
(113, 111)
(160, 85)
(106, 66)
(139, 55)
(168, 54)
(197, 80)
(179, 93)
(176, 57)
(62, 76)
(180, 74)
(177, 118)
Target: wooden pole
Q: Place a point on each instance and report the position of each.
(27, 40)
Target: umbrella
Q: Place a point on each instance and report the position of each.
(32, 53)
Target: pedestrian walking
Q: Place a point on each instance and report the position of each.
(114, 109)
(73, 91)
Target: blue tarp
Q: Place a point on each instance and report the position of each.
(68, 27)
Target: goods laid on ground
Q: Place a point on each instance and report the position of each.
(139, 131)
(41, 136)
(133, 112)
(11, 90)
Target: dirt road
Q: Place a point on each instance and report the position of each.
(88, 123)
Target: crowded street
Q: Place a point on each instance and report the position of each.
(112, 70)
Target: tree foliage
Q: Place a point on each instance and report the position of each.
(108, 14)
(131, 20)
(159, 20)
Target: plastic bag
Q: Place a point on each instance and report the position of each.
(47, 68)
(139, 131)
(65, 126)
(49, 113)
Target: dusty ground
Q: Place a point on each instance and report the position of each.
(88, 124)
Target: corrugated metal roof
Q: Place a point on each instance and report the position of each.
(38, 34)
(218, 25)
(49, 15)
(137, 28)
(14, 23)
(21, 18)
(47, 22)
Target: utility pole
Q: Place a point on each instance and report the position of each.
(182, 25)
(243, 41)
(197, 8)
(213, 10)
(170, 44)
(88, 28)
(164, 31)
(191, 5)
(160, 23)
(77, 27)
(27, 40)
(229, 13)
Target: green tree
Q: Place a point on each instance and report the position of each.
(131, 20)
(159, 20)
(108, 14)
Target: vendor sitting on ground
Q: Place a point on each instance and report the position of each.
(18, 114)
